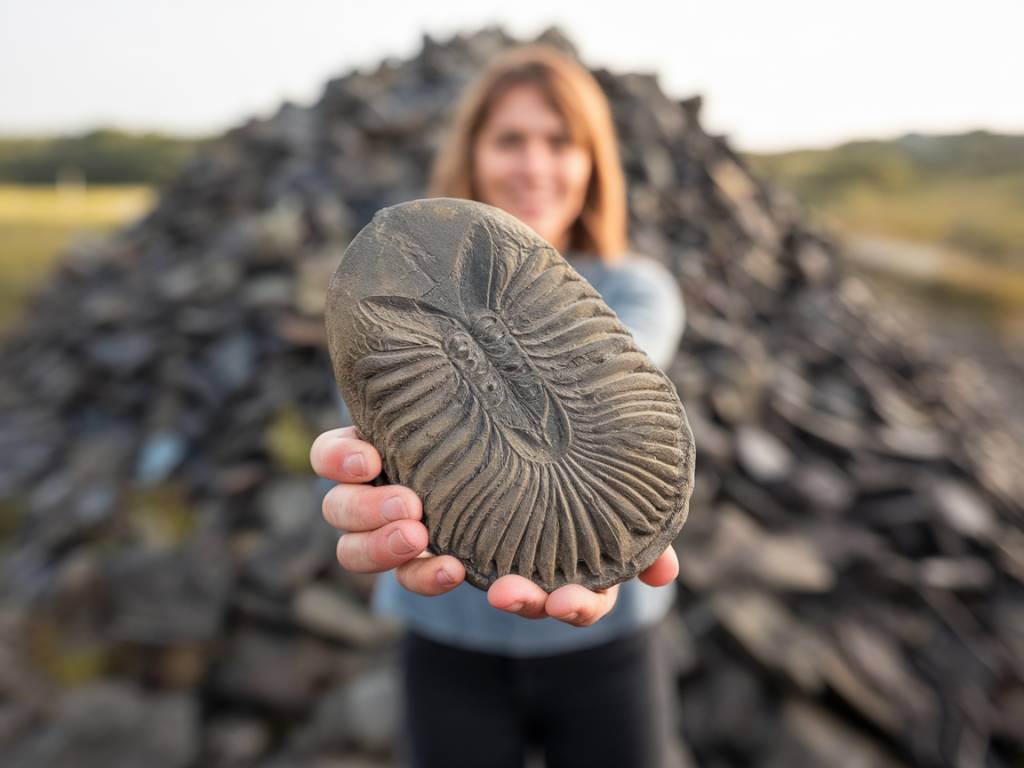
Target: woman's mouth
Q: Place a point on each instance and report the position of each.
(531, 207)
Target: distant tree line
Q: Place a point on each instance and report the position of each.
(99, 157)
(963, 190)
(899, 164)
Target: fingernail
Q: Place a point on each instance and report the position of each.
(398, 544)
(571, 617)
(393, 508)
(443, 578)
(355, 464)
(515, 607)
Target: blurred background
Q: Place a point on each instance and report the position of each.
(838, 189)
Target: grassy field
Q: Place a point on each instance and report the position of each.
(943, 211)
(963, 193)
(984, 216)
(37, 225)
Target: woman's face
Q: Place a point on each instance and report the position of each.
(527, 164)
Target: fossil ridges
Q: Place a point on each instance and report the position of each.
(499, 386)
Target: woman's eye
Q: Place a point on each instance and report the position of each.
(560, 142)
(508, 141)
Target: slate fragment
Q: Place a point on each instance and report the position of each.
(498, 385)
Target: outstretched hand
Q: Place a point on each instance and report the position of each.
(382, 530)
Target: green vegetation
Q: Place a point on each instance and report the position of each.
(54, 191)
(37, 224)
(287, 440)
(962, 192)
(98, 157)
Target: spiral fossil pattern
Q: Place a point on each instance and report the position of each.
(498, 385)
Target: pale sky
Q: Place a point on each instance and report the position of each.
(774, 75)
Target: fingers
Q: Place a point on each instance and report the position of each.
(663, 570)
(382, 549)
(580, 606)
(518, 595)
(354, 508)
(340, 455)
(572, 603)
(431, 575)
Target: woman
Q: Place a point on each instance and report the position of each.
(533, 136)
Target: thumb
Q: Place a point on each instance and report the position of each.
(663, 570)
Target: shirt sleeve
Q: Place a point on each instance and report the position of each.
(649, 303)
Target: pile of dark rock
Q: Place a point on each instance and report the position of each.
(852, 569)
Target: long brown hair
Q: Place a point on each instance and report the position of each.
(571, 91)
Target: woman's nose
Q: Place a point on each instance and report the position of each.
(536, 158)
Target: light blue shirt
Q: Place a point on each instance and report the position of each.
(646, 297)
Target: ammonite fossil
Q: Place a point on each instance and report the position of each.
(497, 384)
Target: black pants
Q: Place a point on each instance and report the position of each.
(610, 705)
